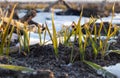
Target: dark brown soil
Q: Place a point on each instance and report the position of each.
(43, 57)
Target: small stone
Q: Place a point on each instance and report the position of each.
(36, 74)
(3, 59)
(64, 75)
(43, 74)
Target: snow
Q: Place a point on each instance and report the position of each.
(115, 69)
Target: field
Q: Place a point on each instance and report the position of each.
(76, 51)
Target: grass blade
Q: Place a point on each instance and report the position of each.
(44, 37)
(55, 43)
(113, 51)
(49, 32)
(100, 70)
(80, 36)
(15, 68)
(39, 32)
(12, 29)
(109, 30)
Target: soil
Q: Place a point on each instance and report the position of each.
(43, 57)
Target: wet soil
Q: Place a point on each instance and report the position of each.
(43, 57)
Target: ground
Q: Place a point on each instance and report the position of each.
(43, 57)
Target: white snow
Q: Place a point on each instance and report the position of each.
(115, 69)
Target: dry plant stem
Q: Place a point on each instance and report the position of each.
(7, 52)
(71, 55)
(44, 36)
(26, 39)
(39, 32)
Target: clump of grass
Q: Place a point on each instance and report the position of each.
(66, 34)
(23, 39)
(97, 44)
(91, 41)
(40, 32)
(103, 44)
(5, 33)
